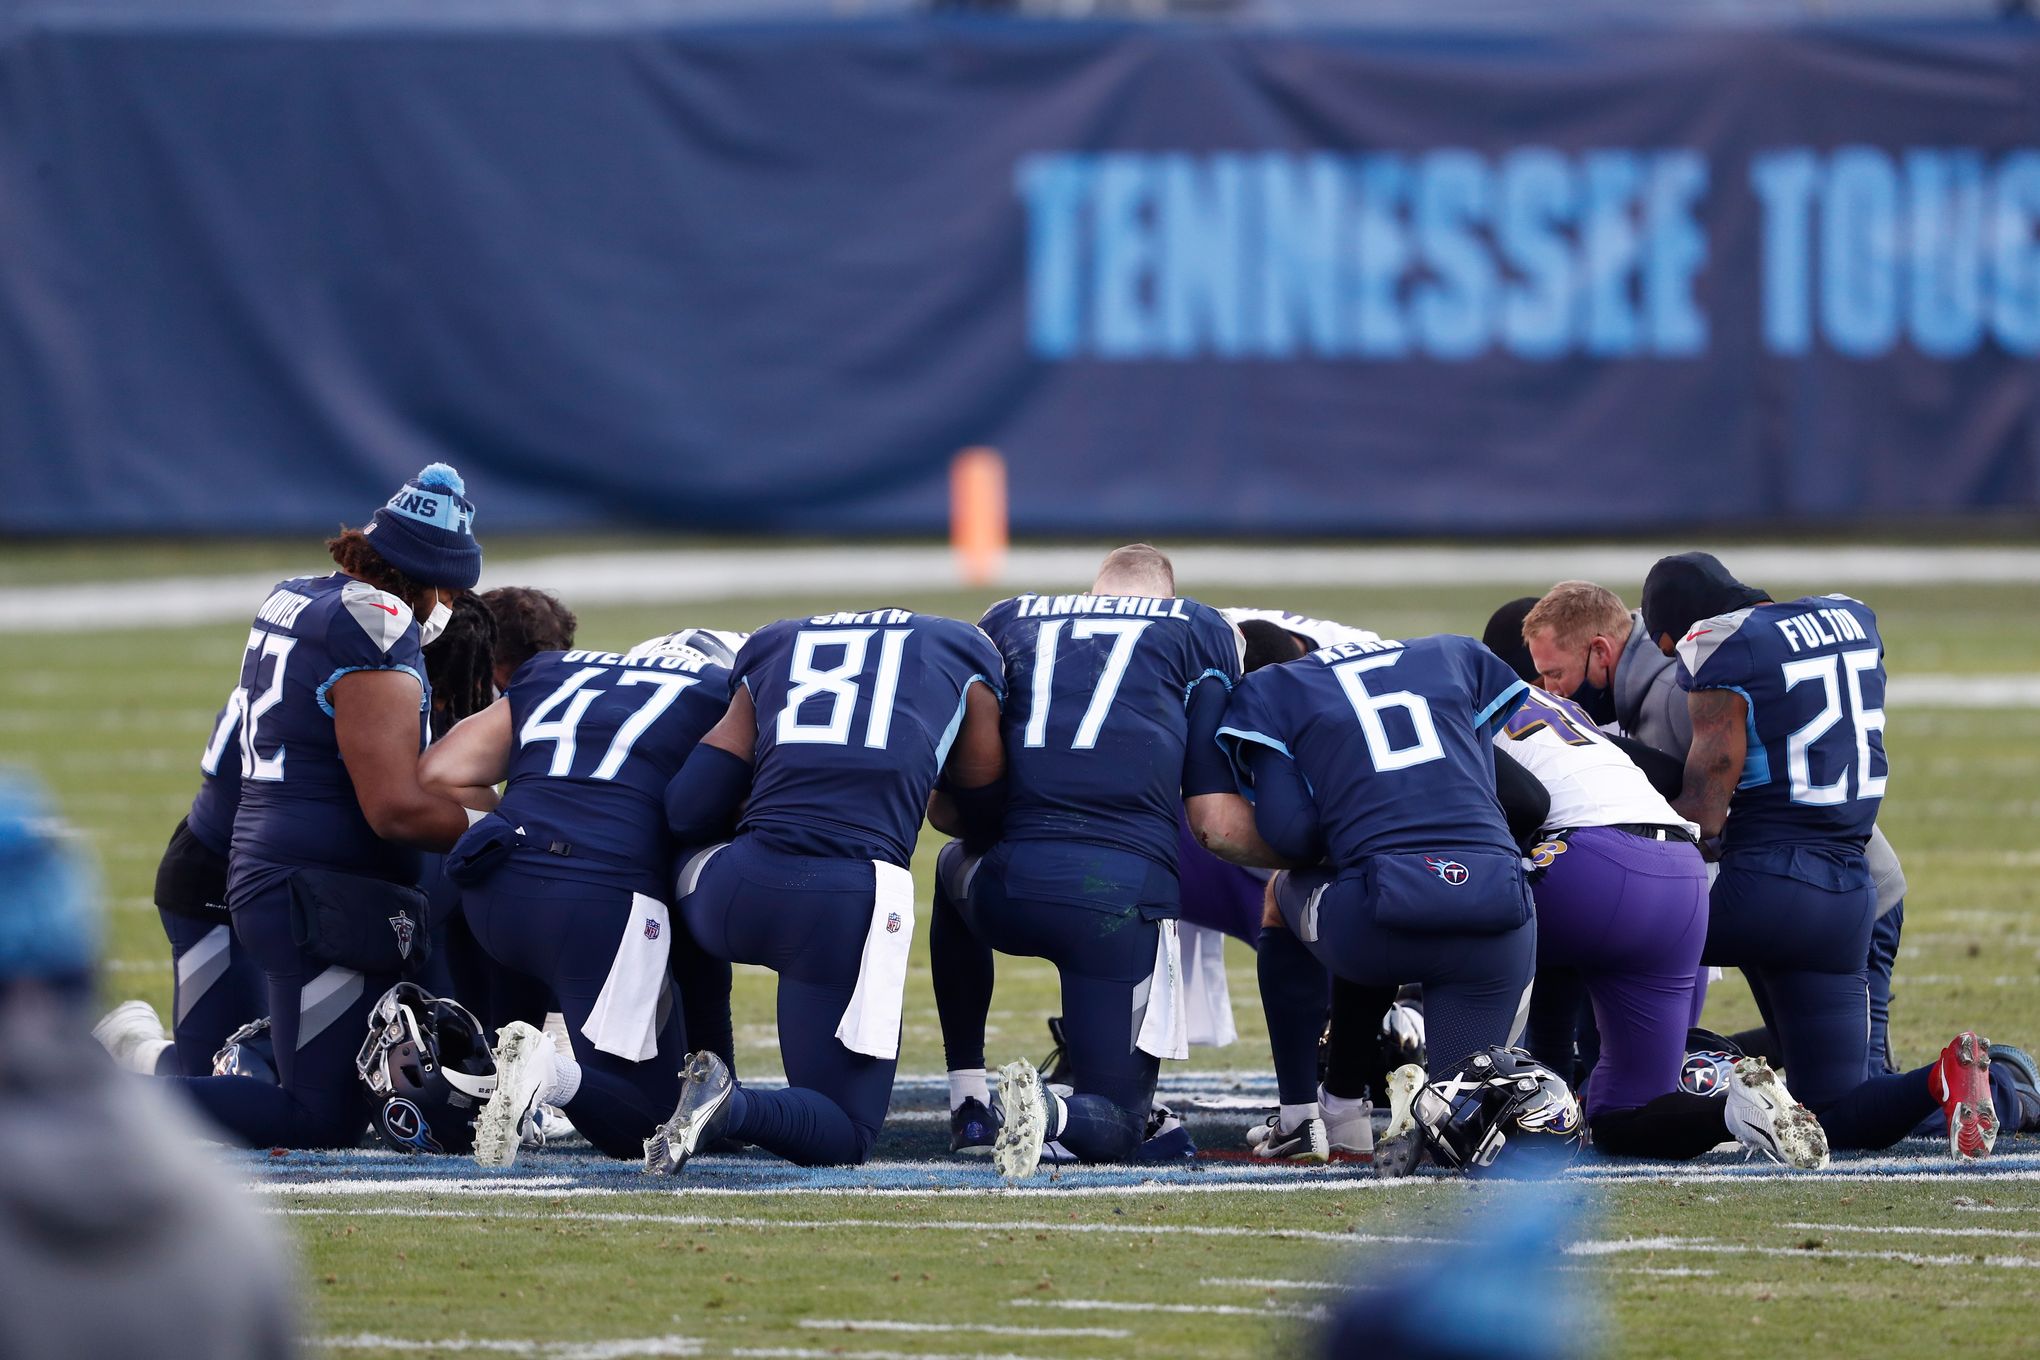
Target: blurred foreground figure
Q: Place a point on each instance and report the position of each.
(1505, 1295)
(118, 1236)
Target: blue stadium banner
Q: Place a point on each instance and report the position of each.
(259, 262)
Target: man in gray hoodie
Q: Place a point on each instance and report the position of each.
(1589, 647)
(119, 1235)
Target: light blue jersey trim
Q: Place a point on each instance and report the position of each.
(319, 694)
(1210, 673)
(1756, 767)
(1480, 719)
(956, 722)
(1239, 765)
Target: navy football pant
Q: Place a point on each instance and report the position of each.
(218, 990)
(218, 986)
(563, 933)
(1475, 986)
(806, 919)
(1103, 950)
(318, 1015)
(1884, 935)
(1804, 946)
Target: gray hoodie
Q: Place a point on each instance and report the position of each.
(119, 1236)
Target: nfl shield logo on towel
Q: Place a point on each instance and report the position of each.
(892, 923)
(651, 929)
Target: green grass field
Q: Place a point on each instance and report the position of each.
(1702, 1265)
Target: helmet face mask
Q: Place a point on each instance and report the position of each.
(1468, 1117)
(429, 1069)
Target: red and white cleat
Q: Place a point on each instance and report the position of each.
(1961, 1082)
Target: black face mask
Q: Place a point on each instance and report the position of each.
(1597, 700)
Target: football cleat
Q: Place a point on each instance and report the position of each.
(972, 1129)
(1765, 1118)
(1960, 1081)
(2025, 1075)
(1403, 1085)
(1349, 1125)
(548, 1124)
(1166, 1139)
(132, 1035)
(1307, 1143)
(698, 1119)
(1023, 1128)
(526, 1063)
(1055, 1068)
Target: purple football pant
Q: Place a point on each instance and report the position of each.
(1223, 896)
(1631, 916)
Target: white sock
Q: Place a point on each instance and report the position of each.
(1058, 1115)
(146, 1055)
(1338, 1107)
(968, 1083)
(565, 1083)
(1294, 1115)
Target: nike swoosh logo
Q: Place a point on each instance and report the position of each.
(386, 608)
(1697, 632)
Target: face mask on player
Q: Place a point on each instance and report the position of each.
(434, 623)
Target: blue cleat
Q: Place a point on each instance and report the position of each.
(972, 1129)
(698, 1119)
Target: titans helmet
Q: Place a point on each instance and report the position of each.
(249, 1051)
(428, 1069)
(706, 644)
(1496, 1098)
(1709, 1064)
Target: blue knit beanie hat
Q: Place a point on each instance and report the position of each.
(49, 915)
(427, 530)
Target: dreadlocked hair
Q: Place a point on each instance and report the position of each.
(354, 554)
(461, 664)
(529, 622)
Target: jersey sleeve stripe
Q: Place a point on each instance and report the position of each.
(326, 707)
(1516, 691)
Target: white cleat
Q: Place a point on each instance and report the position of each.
(526, 1062)
(1349, 1125)
(1403, 1085)
(1765, 1118)
(1017, 1150)
(132, 1035)
(1305, 1144)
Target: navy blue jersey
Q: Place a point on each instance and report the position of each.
(1393, 739)
(1095, 720)
(1812, 673)
(297, 802)
(211, 818)
(599, 736)
(856, 713)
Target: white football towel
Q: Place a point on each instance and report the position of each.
(871, 1022)
(1207, 999)
(625, 1018)
(1164, 1032)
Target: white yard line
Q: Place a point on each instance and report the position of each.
(1305, 1182)
(1206, 1309)
(857, 572)
(723, 1221)
(1707, 1246)
(837, 1353)
(1222, 1282)
(1886, 1229)
(621, 1349)
(988, 1328)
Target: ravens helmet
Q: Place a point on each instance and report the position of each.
(1490, 1098)
(428, 1069)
